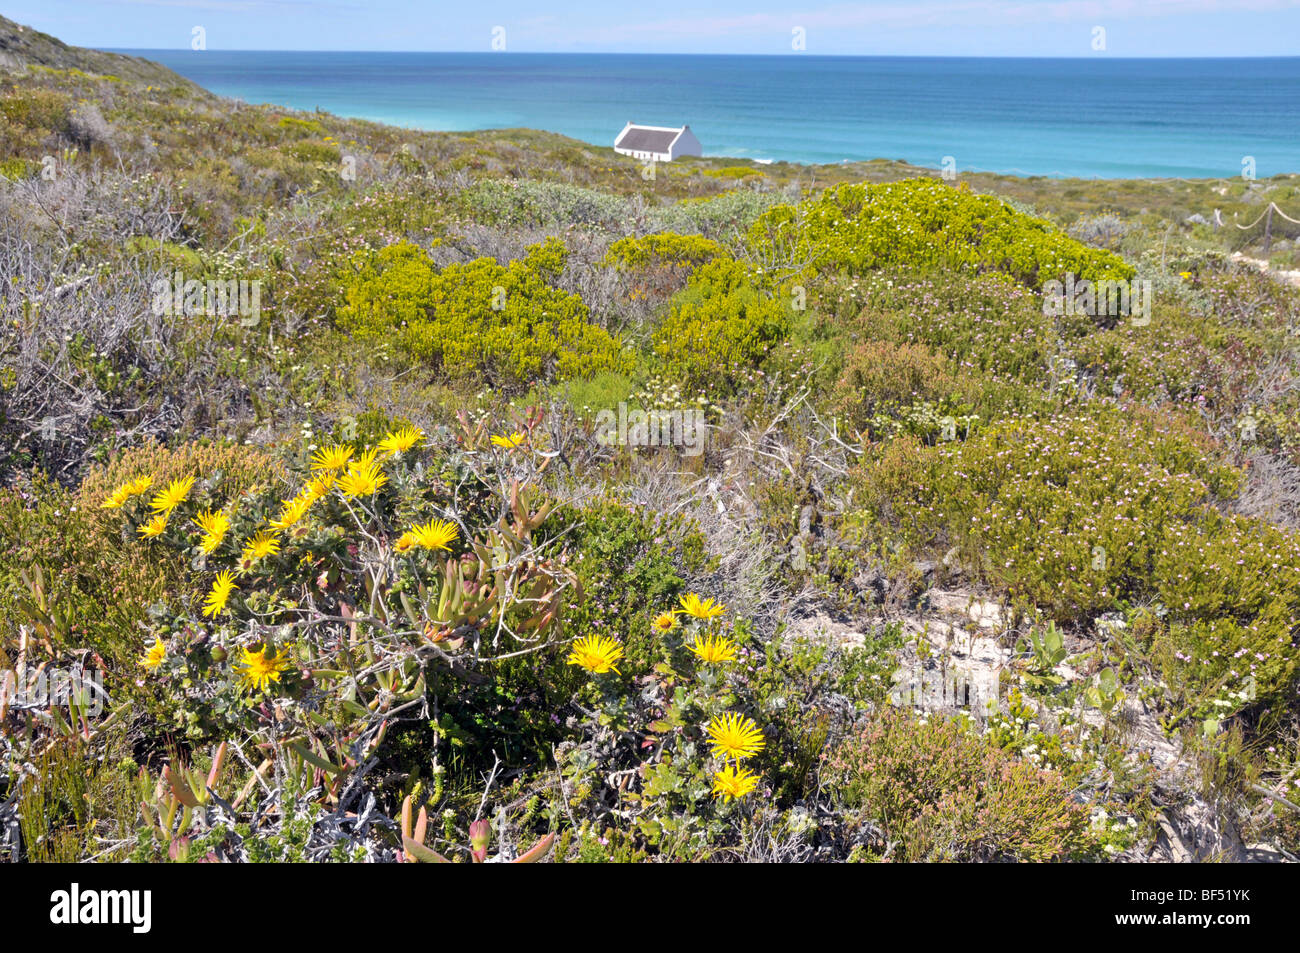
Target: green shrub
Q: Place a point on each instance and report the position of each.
(1031, 501)
(1087, 514)
(720, 216)
(503, 322)
(525, 202)
(588, 396)
(939, 791)
(307, 151)
(71, 569)
(632, 564)
(1230, 587)
(37, 109)
(719, 329)
(924, 223)
(664, 249)
(884, 387)
(986, 323)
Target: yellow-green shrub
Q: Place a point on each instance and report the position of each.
(719, 329)
(232, 468)
(39, 109)
(664, 248)
(923, 223)
(505, 322)
(732, 172)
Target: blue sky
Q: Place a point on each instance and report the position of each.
(878, 27)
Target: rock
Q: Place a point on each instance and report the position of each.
(1067, 672)
(986, 615)
(959, 670)
(1196, 832)
(819, 626)
(1109, 623)
(871, 584)
(1264, 854)
(1197, 219)
(947, 601)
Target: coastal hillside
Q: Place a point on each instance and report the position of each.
(493, 496)
(22, 48)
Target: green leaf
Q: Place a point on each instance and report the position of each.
(423, 854)
(314, 759)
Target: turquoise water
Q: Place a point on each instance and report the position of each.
(1104, 118)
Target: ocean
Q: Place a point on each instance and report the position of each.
(1091, 118)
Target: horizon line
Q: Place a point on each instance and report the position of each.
(789, 55)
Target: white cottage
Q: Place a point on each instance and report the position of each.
(660, 143)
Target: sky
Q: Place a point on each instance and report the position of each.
(1118, 28)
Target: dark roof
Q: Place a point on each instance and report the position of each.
(641, 139)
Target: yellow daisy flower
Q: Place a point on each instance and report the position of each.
(509, 441)
(262, 544)
(435, 534)
(154, 527)
(114, 500)
(126, 491)
(137, 486)
(319, 486)
(693, 605)
(154, 655)
(331, 458)
(214, 526)
(222, 586)
(176, 493)
(361, 481)
(257, 670)
(734, 737)
(664, 622)
(596, 653)
(401, 440)
(733, 782)
(291, 511)
(714, 650)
